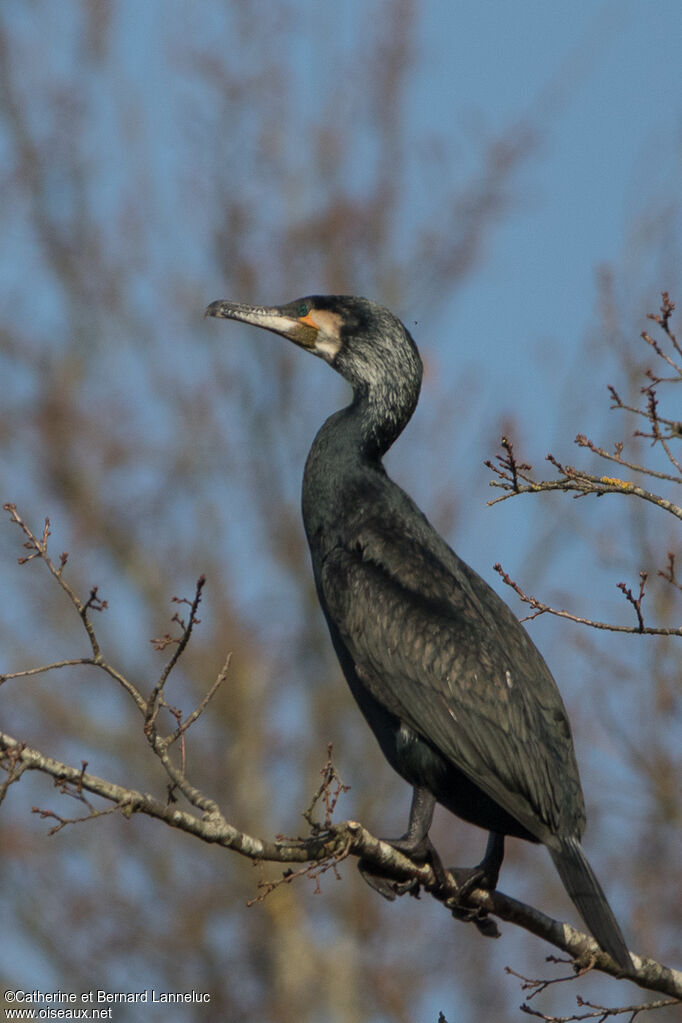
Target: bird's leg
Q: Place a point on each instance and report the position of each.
(486, 874)
(415, 843)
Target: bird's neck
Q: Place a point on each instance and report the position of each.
(344, 463)
(379, 414)
(362, 433)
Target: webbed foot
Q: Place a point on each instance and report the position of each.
(419, 852)
(487, 873)
(415, 844)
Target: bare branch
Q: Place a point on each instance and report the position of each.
(332, 845)
(187, 627)
(584, 442)
(600, 1012)
(13, 764)
(541, 608)
(537, 986)
(658, 435)
(636, 601)
(39, 549)
(329, 778)
(662, 430)
(669, 573)
(515, 478)
(43, 668)
(667, 309)
(62, 822)
(149, 709)
(94, 602)
(200, 708)
(583, 484)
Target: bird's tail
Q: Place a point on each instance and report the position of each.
(582, 885)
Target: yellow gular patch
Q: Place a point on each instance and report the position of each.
(328, 340)
(308, 318)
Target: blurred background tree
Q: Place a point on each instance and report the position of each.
(155, 157)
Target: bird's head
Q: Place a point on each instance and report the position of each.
(361, 340)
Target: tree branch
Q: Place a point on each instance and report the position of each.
(516, 477)
(541, 608)
(583, 483)
(331, 845)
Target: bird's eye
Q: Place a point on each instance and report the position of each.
(303, 308)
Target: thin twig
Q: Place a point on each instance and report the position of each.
(13, 765)
(38, 548)
(541, 608)
(584, 484)
(201, 707)
(584, 442)
(62, 822)
(669, 573)
(329, 778)
(183, 640)
(536, 986)
(27, 672)
(636, 601)
(600, 1012)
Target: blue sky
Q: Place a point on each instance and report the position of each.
(603, 82)
(606, 82)
(599, 84)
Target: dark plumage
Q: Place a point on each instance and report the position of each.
(460, 700)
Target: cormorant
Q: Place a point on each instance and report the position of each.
(461, 702)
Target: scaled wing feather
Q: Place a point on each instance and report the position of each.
(425, 634)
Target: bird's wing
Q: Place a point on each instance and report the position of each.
(437, 647)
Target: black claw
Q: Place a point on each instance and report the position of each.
(487, 873)
(419, 852)
(485, 924)
(383, 885)
(386, 886)
(477, 878)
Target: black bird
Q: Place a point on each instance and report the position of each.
(460, 700)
